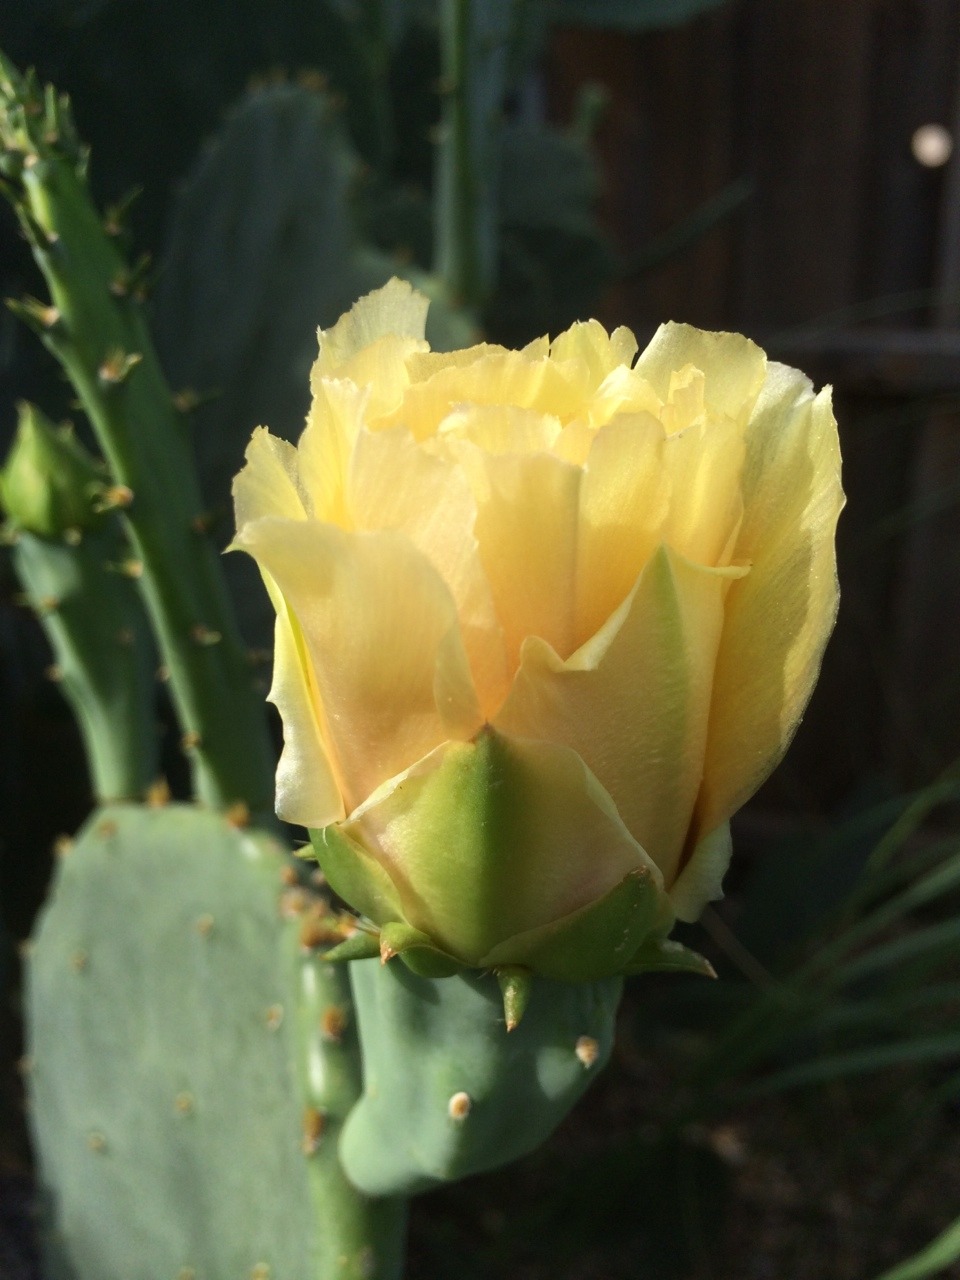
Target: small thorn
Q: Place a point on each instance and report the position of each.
(203, 523)
(186, 1273)
(39, 315)
(238, 815)
(261, 1271)
(587, 1050)
(190, 741)
(118, 366)
(333, 1023)
(125, 637)
(386, 951)
(113, 496)
(274, 1018)
(204, 635)
(129, 568)
(54, 673)
(96, 1141)
(288, 875)
(162, 673)
(158, 794)
(25, 1064)
(516, 984)
(183, 1103)
(79, 961)
(314, 1123)
(63, 846)
(458, 1108)
(73, 537)
(106, 829)
(204, 925)
(47, 604)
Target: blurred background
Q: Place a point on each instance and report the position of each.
(788, 170)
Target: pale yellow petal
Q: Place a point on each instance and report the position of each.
(335, 419)
(269, 483)
(600, 352)
(634, 701)
(733, 366)
(702, 465)
(307, 791)
(394, 484)
(397, 310)
(623, 502)
(778, 618)
(528, 529)
(503, 378)
(381, 633)
(497, 428)
(701, 880)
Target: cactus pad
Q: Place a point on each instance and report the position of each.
(182, 1050)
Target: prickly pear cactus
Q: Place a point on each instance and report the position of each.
(189, 1063)
(448, 1091)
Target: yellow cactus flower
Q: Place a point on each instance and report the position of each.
(545, 620)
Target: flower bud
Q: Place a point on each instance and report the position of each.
(545, 620)
(48, 483)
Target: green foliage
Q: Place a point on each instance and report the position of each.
(447, 1090)
(931, 1261)
(187, 1074)
(103, 651)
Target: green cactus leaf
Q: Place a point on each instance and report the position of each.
(664, 955)
(184, 1100)
(447, 1091)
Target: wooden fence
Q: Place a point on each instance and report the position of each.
(845, 260)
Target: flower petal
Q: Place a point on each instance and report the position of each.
(733, 366)
(381, 634)
(395, 311)
(634, 701)
(528, 513)
(269, 483)
(395, 484)
(623, 502)
(492, 838)
(778, 618)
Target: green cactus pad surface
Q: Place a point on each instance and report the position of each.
(448, 1091)
(189, 1064)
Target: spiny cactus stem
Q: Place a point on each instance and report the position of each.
(103, 652)
(104, 346)
(364, 1237)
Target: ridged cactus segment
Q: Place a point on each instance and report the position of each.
(95, 327)
(179, 1127)
(447, 1090)
(103, 652)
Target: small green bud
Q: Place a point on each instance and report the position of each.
(49, 481)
